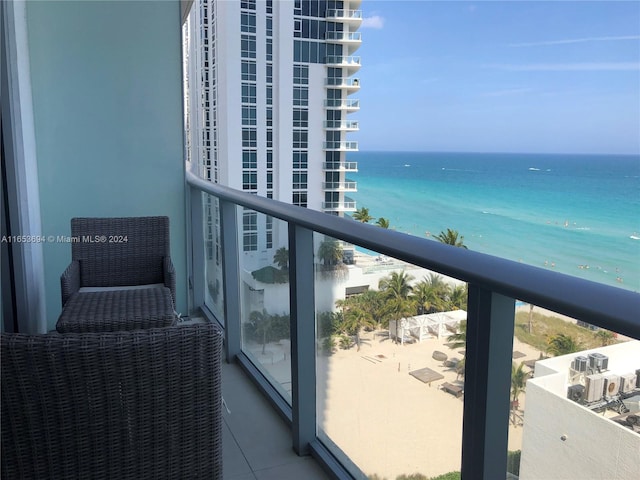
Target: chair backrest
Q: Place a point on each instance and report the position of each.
(120, 251)
(126, 405)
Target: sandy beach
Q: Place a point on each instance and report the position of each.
(384, 419)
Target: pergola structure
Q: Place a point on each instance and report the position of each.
(426, 326)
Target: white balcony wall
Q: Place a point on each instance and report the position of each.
(107, 102)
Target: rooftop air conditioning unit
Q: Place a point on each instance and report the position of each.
(628, 382)
(611, 385)
(576, 393)
(594, 385)
(580, 363)
(598, 361)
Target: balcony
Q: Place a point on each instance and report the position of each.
(349, 205)
(340, 146)
(348, 84)
(340, 167)
(341, 125)
(347, 104)
(351, 63)
(344, 37)
(347, 186)
(345, 16)
(341, 410)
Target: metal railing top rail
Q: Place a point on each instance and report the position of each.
(612, 308)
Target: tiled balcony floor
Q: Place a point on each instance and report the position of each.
(257, 442)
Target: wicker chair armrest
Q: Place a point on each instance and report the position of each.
(70, 281)
(169, 277)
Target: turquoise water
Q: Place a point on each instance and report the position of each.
(577, 214)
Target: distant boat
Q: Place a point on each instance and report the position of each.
(407, 164)
(635, 236)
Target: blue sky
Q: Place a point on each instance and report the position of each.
(500, 76)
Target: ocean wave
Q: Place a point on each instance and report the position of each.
(534, 169)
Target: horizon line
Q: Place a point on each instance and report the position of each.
(636, 154)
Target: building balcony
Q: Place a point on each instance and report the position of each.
(348, 84)
(340, 167)
(346, 16)
(341, 125)
(349, 205)
(350, 62)
(340, 146)
(351, 38)
(346, 186)
(348, 104)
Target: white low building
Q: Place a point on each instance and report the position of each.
(564, 439)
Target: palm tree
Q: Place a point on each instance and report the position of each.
(459, 339)
(561, 344)
(281, 258)
(354, 318)
(262, 325)
(451, 237)
(330, 252)
(530, 317)
(395, 290)
(518, 383)
(362, 215)
(458, 297)
(431, 294)
(383, 222)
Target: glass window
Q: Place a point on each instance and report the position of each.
(249, 137)
(248, 70)
(300, 139)
(301, 117)
(248, 93)
(248, 46)
(249, 159)
(300, 160)
(248, 4)
(249, 181)
(299, 180)
(300, 199)
(248, 22)
(249, 115)
(301, 96)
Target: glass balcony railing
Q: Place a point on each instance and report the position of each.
(373, 368)
(342, 146)
(343, 104)
(340, 166)
(341, 124)
(338, 60)
(349, 205)
(343, 82)
(340, 186)
(344, 36)
(343, 14)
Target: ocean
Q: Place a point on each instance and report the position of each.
(576, 214)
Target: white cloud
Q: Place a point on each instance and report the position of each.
(570, 67)
(374, 21)
(576, 40)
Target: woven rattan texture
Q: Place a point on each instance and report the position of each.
(132, 252)
(119, 251)
(111, 311)
(137, 405)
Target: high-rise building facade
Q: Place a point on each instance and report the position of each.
(269, 88)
